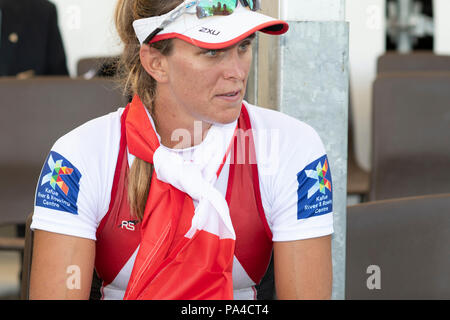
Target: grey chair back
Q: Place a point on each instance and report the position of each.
(413, 62)
(411, 135)
(35, 113)
(27, 258)
(399, 249)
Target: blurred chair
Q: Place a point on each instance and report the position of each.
(413, 62)
(27, 257)
(36, 112)
(97, 67)
(12, 243)
(411, 134)
(405, 243)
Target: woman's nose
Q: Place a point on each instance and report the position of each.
(236, 66)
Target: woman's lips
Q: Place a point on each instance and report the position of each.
(230, 96)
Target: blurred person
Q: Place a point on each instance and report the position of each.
(30, 43)
(176, 196)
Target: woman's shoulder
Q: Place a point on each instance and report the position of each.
(288, 150)
(92, 138)
(284, 145)
(87, 156)
(290, 130)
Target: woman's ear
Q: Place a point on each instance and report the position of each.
(154, 62)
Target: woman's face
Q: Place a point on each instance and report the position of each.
(207, 85)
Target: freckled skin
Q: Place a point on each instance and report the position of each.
(201, 85)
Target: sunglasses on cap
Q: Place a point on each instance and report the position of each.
(204, 9)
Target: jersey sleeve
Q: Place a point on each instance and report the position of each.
(302, 196)
(61, 201)
(74, 187)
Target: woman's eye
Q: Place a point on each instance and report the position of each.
(245, 45)
(212, 53)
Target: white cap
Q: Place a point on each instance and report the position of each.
(214, 32)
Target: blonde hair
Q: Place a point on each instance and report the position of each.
(136, 81)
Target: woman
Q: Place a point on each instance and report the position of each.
(175, 196)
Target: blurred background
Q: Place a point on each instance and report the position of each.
(398, 73)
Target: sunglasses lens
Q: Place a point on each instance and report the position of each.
(249, 3)
(254, 5)
(208, 8)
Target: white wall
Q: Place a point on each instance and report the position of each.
(367, 43)
(87, 28)
(442, 26)
(317, 10)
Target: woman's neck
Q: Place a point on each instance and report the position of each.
(177, 131)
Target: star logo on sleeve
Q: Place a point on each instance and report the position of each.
(319, 174)
(315, 195)
(54, 176)
(59, 185)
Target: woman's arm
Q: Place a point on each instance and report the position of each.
(303, 269)
(62, 266)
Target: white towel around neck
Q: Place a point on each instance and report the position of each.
(197, 177)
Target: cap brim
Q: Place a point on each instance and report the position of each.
(219, 32)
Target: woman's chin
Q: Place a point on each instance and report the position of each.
(228, 116)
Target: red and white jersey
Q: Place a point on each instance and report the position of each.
(74, 191)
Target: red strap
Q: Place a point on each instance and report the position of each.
(120, 157)
(244, 200)
(118, 234)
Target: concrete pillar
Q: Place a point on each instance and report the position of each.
(305, 74)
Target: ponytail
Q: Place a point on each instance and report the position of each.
(136, 80)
